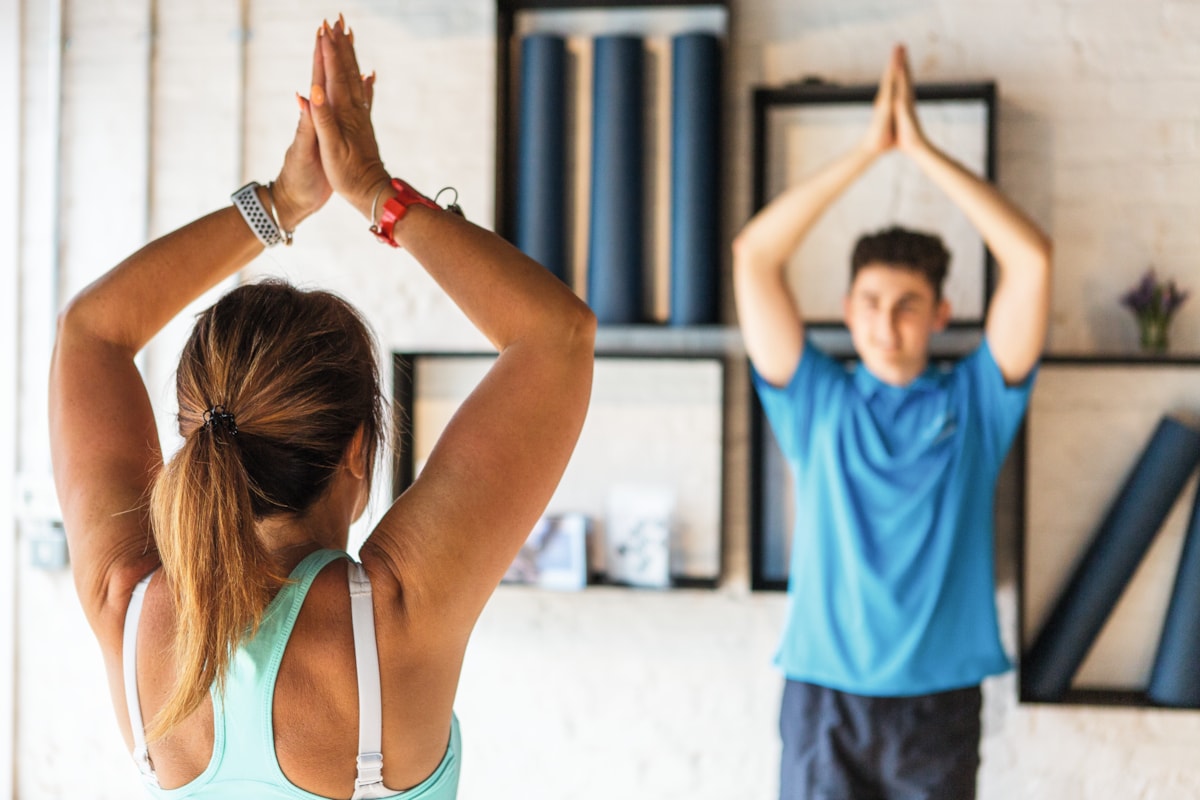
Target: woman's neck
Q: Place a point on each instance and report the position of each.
(289, 538)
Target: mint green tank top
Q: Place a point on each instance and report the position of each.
(243, 761)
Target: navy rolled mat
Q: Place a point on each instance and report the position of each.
(1175, 679)
(695, 120)
(1134, 518)
(617, 219)
(541, 152)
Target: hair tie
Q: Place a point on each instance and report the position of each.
(217, 417)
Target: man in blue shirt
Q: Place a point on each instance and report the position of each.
(891, 622)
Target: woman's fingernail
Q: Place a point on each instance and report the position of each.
(318, 95)
(350, 35)
(320, 30)
(341, 20)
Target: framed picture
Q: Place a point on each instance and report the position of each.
(773, 512)
(799, 128)
(555, 556)
(655, 425)
(639, 529)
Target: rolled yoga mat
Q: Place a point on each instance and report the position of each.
(541, 152)
(1111, 559)
(695, 119)
(1175, 679)
(615, 250)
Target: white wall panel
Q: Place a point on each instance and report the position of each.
(608, 692)
(10, 228)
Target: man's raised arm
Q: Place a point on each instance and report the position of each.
(1019, 311)
(771, 322)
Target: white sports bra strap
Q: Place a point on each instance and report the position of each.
(141, 755)
(369, 783)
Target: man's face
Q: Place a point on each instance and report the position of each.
(891, 313)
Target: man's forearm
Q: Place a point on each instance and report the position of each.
(1018, 314)
(774, 233)
(1013, 238)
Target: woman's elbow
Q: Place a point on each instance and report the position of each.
(581, 327)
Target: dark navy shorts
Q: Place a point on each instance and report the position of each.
(840, 746)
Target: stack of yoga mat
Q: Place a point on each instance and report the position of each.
(1120, 543)
(617, 213)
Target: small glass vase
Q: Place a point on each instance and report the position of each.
(1152, 334)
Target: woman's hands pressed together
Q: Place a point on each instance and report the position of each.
(301, 188)
(338, 110)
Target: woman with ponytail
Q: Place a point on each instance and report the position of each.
(242, 660)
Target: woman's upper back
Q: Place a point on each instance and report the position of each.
(290, 716)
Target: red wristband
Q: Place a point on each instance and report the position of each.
(395, 209)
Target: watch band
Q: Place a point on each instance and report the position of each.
(256, 216)
(395, 209)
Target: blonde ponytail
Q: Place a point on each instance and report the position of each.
(297, 374)
(218, 570)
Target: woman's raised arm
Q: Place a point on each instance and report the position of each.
(103, 438)
(451, 537)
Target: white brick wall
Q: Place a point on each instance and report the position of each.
(607, 693)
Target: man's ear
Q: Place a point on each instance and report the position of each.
(941, 316)
(356, 453)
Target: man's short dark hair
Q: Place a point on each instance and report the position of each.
(904, 249)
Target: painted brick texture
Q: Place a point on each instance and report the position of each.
(607, 693)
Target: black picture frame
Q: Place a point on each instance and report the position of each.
(770, 494)
(816, 93)
(406, 392)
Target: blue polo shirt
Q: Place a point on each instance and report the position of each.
(892, 591)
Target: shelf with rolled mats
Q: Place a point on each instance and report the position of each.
(591, 135)
(1105, 616)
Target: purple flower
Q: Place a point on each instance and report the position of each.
(1154, 299)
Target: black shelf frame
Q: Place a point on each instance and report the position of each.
(814, 91)
(759, 429)
(762, 438)
(404, 394)
(1082, 695)
(1018, 456)
(1121, 360)
(507, 97)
